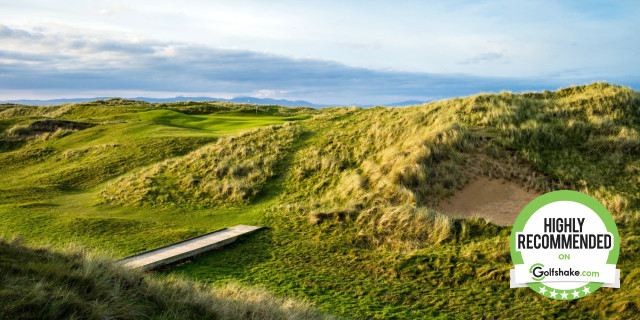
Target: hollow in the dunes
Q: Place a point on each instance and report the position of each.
(497, 200)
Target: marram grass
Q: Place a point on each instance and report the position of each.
(349, 196)
(44, 283)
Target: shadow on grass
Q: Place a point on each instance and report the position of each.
(37, 205)
(11, 145)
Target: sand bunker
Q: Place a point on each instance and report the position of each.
(498, 200)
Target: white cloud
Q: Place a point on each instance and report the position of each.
(350, 50)
(412, 36)
(77, 64)
(483, 57)
(267, 93)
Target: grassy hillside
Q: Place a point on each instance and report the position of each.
(350, 196)
(40, 283)
(231, 170)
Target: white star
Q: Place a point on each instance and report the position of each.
(575, 293)
(564, 295)
(542, 290)
(586, 290)
(553, 293)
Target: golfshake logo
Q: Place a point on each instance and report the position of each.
(565, 245)
(539, 273)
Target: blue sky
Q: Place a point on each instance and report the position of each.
(332, 52)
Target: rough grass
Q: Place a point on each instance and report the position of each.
(48, 125)
(350, 205)
(87, 166)
(231, 170)
(41, 283)
(128, 140)
(406, 160)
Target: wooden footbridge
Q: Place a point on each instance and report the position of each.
(185, 249)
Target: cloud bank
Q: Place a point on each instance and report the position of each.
(51, 64)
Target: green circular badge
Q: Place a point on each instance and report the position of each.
(564, 246)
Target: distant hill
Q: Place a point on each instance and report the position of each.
(253, 100)
(406, 103)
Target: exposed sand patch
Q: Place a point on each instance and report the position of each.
(498, 200)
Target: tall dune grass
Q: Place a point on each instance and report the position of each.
(41, 283)
(231, 170)
(380, 166)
